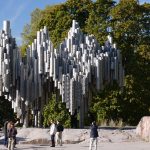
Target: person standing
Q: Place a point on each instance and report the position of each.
(93, 136)
(52, 133)
(5, 134)
(15, 124)
(59, 130)
(12, 131)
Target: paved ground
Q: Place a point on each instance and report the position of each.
(138, 145)
(101, 146)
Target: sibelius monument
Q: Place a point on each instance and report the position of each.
(77, 65)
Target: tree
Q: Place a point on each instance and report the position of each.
(107, 104)
(125, 25)
(56, 110)
(144, 24)
(79, 10)
(98, 22)
(6, 112)
(131, 25)
(58, 19)
(135, 100)
(58, 22)
(29, 32)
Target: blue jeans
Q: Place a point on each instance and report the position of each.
(6, 141)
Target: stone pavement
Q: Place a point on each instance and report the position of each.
(101, 146)
(47, 147)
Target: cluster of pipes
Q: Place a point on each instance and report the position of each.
(76, 66)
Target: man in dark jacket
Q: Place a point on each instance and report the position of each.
(93, 136)
(59, 130)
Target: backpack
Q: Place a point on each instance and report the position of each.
(60, 128)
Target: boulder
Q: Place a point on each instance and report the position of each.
(143, 128)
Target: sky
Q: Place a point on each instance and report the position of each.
(18, 12)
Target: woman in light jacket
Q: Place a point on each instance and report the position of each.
(52, 133)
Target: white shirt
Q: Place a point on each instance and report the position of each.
(52, 129)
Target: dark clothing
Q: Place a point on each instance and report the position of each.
(12, 133)
(94, 132)
(53, 140)
(5, 134)
(6, 141)
(5, 128)
(59, 128)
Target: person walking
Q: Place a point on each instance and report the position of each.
(59, 130)
(12, 131)
(93, 136)
(5, 134)
(52, 133)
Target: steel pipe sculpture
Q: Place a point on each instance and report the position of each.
(79, 63)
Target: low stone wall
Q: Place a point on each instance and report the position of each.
(143, 128)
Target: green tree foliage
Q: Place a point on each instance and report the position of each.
(131, 31)
(58, 19)
(144, 23)
(107, 104)
(131, 27)
(29, 31)
(56, 110)
(129, 104)
(6, 112)
(23, 49)
(98, 22)
(79, 10)
(125, 23)
(135, 101)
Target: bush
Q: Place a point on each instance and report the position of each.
(56, 110)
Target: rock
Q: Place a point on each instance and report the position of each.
(72, 136)
(41, 136)
(143, 128)
(37, 141)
